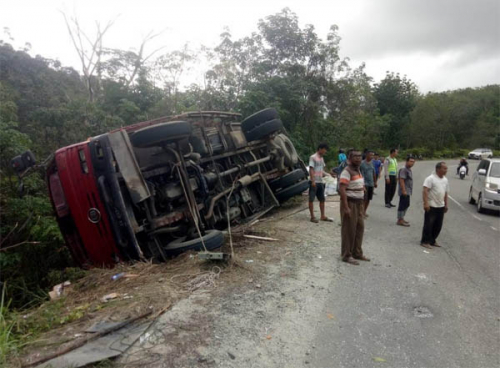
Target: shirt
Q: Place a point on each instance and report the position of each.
(355, 183)
(368, 170)
(438, 187)
(390, 166)
(407, 175)
(342, 157)
(376, 165)
(318, 165)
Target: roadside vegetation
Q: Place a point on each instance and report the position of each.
(320, 97)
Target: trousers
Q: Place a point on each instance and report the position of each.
(433, 222)
(353, 228)
(390, 189)
(404, 204)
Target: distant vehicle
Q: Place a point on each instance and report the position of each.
(462, 172)
(485, 188)
(158, 188)
(480, 153)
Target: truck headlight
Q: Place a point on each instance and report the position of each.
(491, 186)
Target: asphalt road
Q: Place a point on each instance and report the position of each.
(413, 307)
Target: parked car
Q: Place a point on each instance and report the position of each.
(480, 153)
(485, 188)
(158, 188)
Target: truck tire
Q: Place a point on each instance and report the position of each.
(287, 179)
(264, 130)
(156, 135)
(292, 191)
(289, 152)
(258, 118)
(213, 239)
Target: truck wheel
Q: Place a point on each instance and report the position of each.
(263, 130)
(156, 135)
(292, 191)
(258, 118)
(287, 179)
(289, 152)
(213, 239)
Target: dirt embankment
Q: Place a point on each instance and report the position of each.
(260, 315)
(252, 312)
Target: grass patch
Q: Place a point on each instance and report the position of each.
(8, 342)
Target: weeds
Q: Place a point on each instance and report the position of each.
(8, 341)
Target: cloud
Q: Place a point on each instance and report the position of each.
(387, 27)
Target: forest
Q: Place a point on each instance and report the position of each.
(45, 105)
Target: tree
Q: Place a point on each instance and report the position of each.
(396, 97)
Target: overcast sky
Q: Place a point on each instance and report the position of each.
(439, 44)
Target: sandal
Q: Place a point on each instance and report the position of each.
(363, 258)
(315, 220)
(327, 219)
(436, 245)
(425, 245)
(351, 260)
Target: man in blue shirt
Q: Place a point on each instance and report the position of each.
(368, 172)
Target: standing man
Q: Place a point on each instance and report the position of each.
(352, 210)
(342, 156)
(316, 185)
(368, 172)
(390, 169)
(405, 190)
(435, 197)
(376, 164)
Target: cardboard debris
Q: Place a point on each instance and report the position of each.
(60, 290)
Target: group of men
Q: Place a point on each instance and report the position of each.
(358, 174)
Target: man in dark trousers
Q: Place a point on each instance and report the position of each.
(405, 190)
(390, 171)
(369, 175)
(435, 195)
(352, 191)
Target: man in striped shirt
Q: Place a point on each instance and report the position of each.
(352, 192)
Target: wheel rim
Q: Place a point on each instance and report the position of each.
(479, 206)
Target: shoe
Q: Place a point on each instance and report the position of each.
(363, 258)
(425, 245)
(390, 204)
(402, 223)
(351, 260)
(406, 222)
(326, 219)
(436, 245)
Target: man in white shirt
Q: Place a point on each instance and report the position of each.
(316, 184)
(435, 195)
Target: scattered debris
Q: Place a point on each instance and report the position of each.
(89, 353)
(249, 261)
(426, 251)
(422, 312)
(330, 316)
(117, 276)
(108, 297)
(379, 360)
(231, 355)
(59, 290)
(259, 237)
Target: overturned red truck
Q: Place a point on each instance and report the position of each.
(158, 188)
